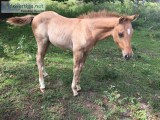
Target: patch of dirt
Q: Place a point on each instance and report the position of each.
(30, 110)
(96, 109)
(10, 114)
(145, 106)
(65, 110)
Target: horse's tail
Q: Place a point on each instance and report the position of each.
(20, 21)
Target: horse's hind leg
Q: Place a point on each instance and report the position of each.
(42, 48)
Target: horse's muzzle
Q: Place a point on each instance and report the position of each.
(127, 57)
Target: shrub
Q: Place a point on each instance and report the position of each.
(148, 11)
(1, 50)
(70, 8)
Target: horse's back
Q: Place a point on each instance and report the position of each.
(43, 17)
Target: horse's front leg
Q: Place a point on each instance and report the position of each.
(82, 62)
(79, 60)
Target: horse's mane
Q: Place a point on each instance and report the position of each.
(99, 14)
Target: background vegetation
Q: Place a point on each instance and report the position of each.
(112, 88)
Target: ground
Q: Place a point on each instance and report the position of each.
(112, 88)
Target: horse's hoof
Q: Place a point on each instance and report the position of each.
(45, 74)
(42, 90)
(75, 94)
(78, 88)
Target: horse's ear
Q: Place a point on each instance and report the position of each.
(132, 17)
(127, 18)
(122, 19)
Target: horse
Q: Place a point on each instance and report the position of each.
(78, 34)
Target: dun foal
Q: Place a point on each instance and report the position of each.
(77, 34)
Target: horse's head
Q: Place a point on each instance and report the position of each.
(122, 35)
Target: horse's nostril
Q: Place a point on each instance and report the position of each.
(126, 57)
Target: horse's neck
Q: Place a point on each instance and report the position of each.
(103, 27)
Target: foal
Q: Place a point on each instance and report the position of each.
(77, 34)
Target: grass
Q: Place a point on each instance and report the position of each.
(112, 88)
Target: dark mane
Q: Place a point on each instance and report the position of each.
(99, 14)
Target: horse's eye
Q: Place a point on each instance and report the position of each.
(121, 35)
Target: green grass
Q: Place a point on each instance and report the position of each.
(112, 88)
